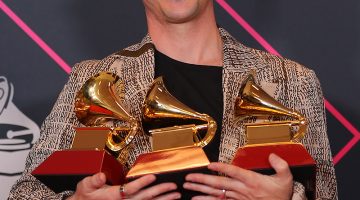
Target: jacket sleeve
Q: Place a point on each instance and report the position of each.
(316, 140)
(298, 192)
(56, 134)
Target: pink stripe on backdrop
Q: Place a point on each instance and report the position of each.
(270, 49)
(35, 37)
(347, 125)
(345, 150)
(341, 118)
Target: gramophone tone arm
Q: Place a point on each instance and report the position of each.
(120, 137)
(211, 129)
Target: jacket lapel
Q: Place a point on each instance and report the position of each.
(135, 66)
(238, 62)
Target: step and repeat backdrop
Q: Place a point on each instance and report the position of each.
(41, 40)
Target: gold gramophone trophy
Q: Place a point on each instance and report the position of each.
(273, 137)
(95, 148)
(177, 135)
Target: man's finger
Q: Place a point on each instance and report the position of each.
(202, 188)
(205, 198)
(156, 190)
(92, 183)
(280, 166)
(233, 171)
(218, 182)
(136, 185)
(214, 192)
(170, 196)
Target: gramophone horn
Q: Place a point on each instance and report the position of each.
(97, 103)
(254, 101)
(161, 109)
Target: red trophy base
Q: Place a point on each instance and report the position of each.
(171, 166)
(302, 165)
(62, 170)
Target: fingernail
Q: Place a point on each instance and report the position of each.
(210, 166)
(178, 196)
(96, 178)
(273, 158)
(213, 166)
(185, 185)
(151, 177)
(100, 177)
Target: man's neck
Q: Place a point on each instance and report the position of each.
(195, 42)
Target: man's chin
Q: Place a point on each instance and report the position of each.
(180, 17)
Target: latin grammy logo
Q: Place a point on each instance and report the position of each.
(17, 134)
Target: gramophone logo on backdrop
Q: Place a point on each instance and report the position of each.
(17, 134)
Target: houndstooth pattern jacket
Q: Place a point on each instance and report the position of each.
(290, 83)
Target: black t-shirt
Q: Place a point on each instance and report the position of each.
(197, 86)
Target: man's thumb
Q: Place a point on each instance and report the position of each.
(280, 166)
(95, 181)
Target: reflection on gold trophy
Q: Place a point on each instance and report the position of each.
(96, 104)
(95, 148)
(161, 108)
(279, 137)
(177, 135)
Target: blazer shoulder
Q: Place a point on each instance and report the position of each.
(285, 63)
(84, 65)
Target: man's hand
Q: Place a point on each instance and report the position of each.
(243, 184)
(94, 187)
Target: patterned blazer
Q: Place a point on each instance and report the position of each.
(290, 83)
